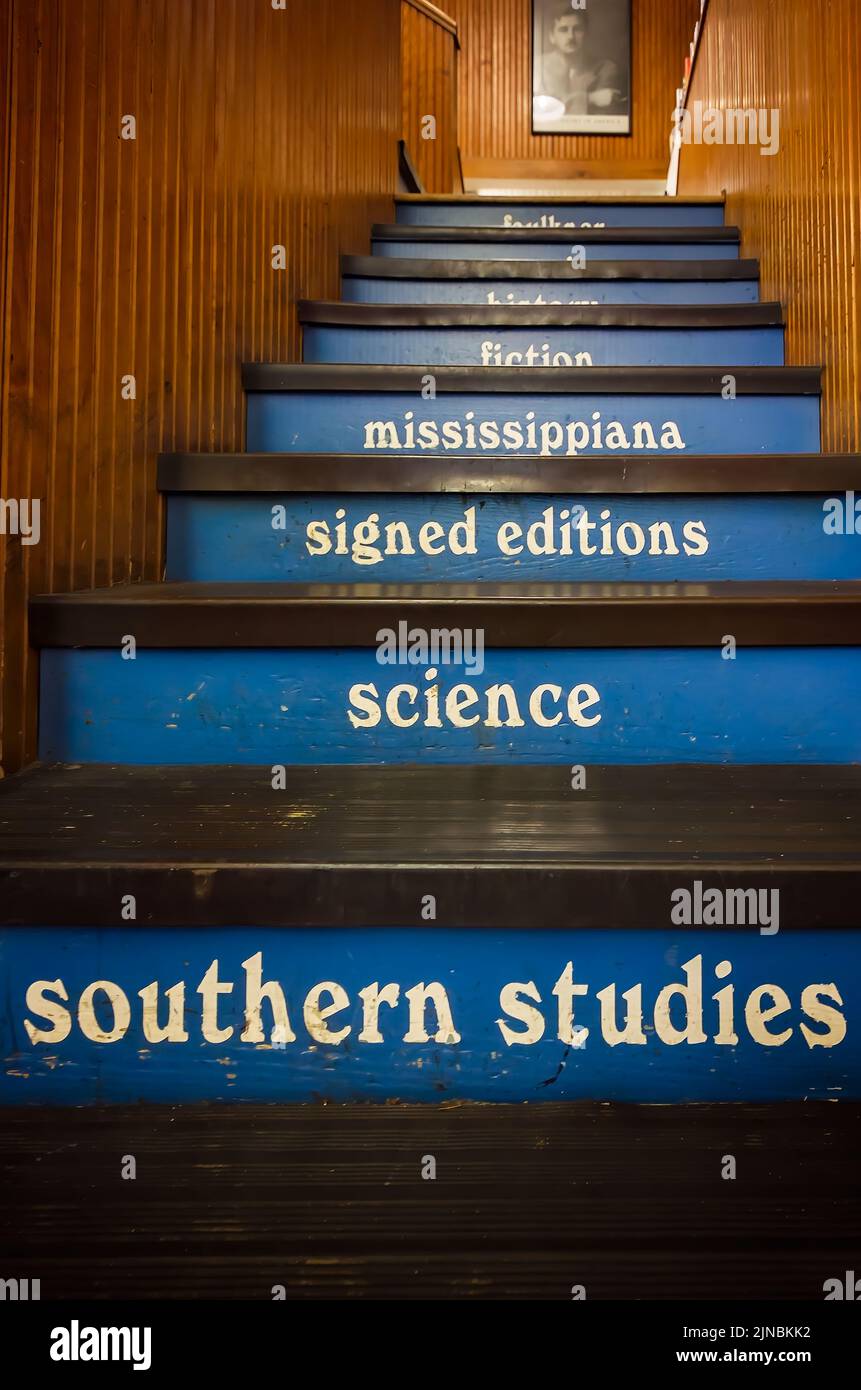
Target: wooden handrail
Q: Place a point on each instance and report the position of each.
(695, 55)
(407, 169)
(437, 16)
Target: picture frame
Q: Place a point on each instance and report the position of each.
(581, 67)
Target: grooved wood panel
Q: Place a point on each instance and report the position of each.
(800, 209)
(496, 88)
(329, 1201)
(429, 87)
(152, 257)
(5, 114)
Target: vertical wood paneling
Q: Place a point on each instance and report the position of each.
(799, 210)
(152, 257)
(496, 87)
(429, 60)
(6, 101)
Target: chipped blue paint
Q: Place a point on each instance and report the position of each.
(771, 705)
(472, 966)
(606, 347)
(258, 537)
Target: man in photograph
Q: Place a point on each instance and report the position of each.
(571, 73)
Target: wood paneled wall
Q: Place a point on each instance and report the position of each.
(496, 89)
(430, 88)
(152, 258)
(6, 550)
(799, 210)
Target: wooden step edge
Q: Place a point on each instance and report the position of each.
(680, 316)
(421, 268)
(623, 845)
(567, 381)
(744, 474)
(587, 236)
(622, 896)
(553, 200)
(525, 615)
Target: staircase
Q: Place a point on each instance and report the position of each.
(281, 847)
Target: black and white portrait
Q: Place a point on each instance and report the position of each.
(581, 67)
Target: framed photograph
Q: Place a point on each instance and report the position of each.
(581, 67)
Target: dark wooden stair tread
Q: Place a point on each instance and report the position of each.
(676, 236)
(426, 268)
(682, 316)
(566, 381)
(328, 1201)
(665, 474)
(553, 200)
(527, 615)
(509, 846)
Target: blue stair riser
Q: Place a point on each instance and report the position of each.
(558, 251)
(345, 538)
(381, 422)
(547, 347)
(486, 214)
(494, 1029)
(358, 289)
(769, 705)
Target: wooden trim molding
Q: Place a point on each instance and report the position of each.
(526, 615)
(438, 16)
(566, 381)
(407, 169)
(697, 475)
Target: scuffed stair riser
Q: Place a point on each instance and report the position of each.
(768, 705)
(561, 347)
(551, 425)
(355, 538)
(493, 1030)
(490, 212)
